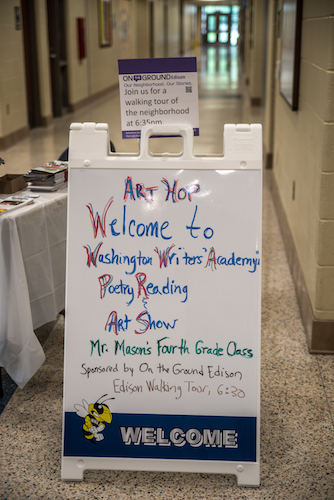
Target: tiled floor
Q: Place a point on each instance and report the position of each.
(297, 391)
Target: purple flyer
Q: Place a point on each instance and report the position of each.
(158, 91)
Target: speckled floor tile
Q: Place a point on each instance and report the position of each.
(326, 366)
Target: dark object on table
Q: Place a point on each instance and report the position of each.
(11, 183)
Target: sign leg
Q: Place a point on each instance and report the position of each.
(72, 469)
(248, 475)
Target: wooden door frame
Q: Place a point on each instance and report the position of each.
(31, 64)
(58, 60)
(217, 14)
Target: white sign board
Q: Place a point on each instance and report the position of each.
(162, 344)
(158, 91)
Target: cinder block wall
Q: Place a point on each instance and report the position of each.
(304, 173)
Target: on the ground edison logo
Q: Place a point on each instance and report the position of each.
(227, 438)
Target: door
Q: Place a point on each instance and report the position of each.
(58, 58)
(31, 63)
(151, 28)
(218, 29)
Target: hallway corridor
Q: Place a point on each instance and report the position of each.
(220, 101)
(297, 389)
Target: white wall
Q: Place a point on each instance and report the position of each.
(13, 103)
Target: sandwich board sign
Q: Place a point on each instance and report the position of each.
(162, 327)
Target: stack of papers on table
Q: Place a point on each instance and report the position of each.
(50, 177)
(13, 202)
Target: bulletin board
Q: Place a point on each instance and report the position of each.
(162, 332)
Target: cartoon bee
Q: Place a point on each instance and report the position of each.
(95, 415)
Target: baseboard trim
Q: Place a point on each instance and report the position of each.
(268, 160)
(47, 120)
(11, 139)
(319, 333)
(91, 99)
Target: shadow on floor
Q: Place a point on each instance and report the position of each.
(7, 385)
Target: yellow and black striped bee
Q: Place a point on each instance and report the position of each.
(95, 415)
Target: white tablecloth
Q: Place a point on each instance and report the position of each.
(32, 280)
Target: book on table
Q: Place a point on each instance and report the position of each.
(13, 202)
(51, 176)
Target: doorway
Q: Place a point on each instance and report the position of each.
(58, 56)
(220, 25)
(31, 63)
(151, 28)
(218, 28)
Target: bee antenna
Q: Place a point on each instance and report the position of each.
(101, 397)
(106, 400)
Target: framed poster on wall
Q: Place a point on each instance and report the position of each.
(105, 26)
(290, 55)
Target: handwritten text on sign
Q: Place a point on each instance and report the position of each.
(170, 261)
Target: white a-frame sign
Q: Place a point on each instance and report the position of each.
(162, 333)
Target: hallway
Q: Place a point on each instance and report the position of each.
(297, 393)
(220, 101)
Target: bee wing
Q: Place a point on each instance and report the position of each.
(82, 410)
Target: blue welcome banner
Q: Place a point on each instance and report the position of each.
(165, 437)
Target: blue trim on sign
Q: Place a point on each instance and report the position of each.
(131, 134)
(181, 437)
(158, 65)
